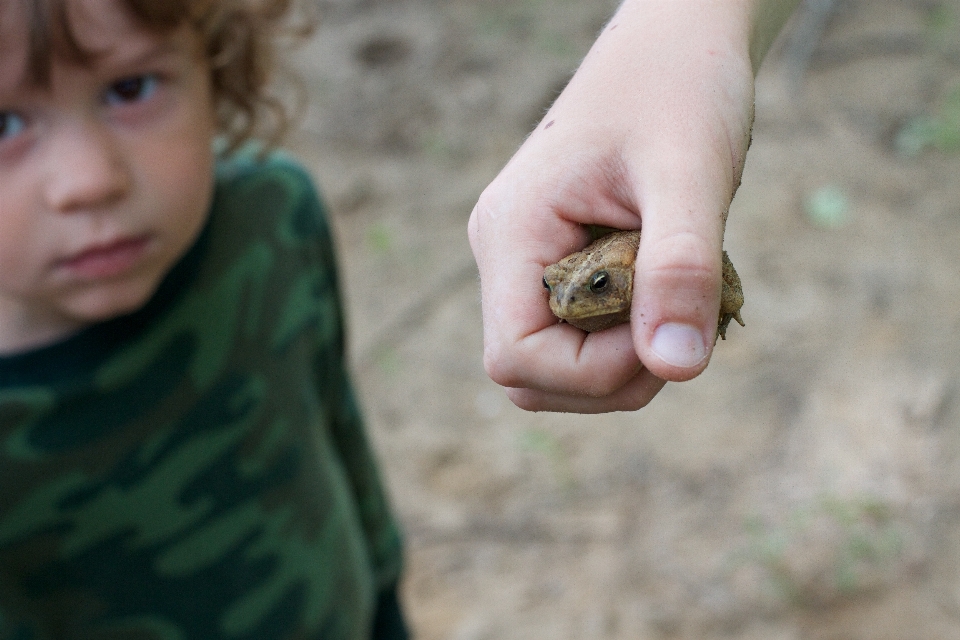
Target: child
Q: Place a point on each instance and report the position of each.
(181, 455)
(654, 126)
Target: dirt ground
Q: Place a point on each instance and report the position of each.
(807, 486)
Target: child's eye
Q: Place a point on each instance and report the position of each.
(133, 89)
(11, 124)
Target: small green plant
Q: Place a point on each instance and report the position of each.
(938, 131)
(437, 145)
(379, 237)
(828, 207)
(516, 20)
(522, 21)
(942, 26)
(548, 445)
(556, 44)
(388, 360)
(831, 549)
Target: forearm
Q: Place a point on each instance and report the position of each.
(670, 67)
(754, 23)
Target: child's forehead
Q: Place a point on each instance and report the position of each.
(33, 34)
(14, 42)
(94, 25)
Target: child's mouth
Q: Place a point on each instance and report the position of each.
(108, 260)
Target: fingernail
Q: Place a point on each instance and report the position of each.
(678, 344)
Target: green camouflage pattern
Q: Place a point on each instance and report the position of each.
(198, 470)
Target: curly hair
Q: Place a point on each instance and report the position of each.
(240, 39)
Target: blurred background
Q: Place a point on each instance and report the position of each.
(807, 486)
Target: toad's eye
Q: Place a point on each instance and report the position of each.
(545, 285)
(132, 89)
(11, 125)
(599, 281)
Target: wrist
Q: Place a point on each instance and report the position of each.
(754, 23)
(664, 72)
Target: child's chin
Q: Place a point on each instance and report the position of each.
(110, 302)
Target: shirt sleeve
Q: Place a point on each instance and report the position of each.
(347, 426)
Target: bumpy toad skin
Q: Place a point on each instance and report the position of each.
(592, 289)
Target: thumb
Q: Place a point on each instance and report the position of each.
(678, 271)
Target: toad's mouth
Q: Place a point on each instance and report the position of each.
(568, 309)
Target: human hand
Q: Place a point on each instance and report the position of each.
(651, 131)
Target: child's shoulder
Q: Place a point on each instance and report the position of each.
(251, 160)
(249, 169)
(274, 189)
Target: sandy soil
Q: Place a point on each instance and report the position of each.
(806, 487)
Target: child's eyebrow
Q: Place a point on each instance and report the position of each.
(11, 78)
(128, 56)
(121, 57)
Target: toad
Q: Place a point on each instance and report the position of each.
(592, 289)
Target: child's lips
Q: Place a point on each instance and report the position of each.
(107, 260)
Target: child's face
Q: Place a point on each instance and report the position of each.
(105, 177)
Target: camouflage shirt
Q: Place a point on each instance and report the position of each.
(198, 470)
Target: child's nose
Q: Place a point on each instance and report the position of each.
(86, 170)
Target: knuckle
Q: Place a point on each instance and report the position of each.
(526, 399)
(686, 254)
(604, 385)
(500, 368)
(472, 226)
(486, 203)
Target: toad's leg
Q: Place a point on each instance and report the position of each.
(731, 298)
